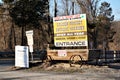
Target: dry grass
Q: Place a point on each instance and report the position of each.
(65, 67)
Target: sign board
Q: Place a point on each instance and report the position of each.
(30, 32)
(62, 53)
(21, 56)
(30, 39)
(29, 35)
(31, 48)
(70, 30)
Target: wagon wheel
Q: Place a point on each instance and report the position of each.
(75, 61)
(48, 58)
(47, 62)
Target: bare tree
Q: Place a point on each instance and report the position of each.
(90, 7)
(66, 9)
(116, 38)
(97, 17)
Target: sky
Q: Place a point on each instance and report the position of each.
(115, 5)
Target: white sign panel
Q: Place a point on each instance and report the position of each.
(29, 32)
(30, 39)
(62, 53)
(29, 35)
(31, 48)
(21, 56)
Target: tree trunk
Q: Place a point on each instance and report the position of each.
(3, 33)
(73, 8)
(55, 13)
(23, 37)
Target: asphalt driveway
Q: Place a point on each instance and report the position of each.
(89, 74)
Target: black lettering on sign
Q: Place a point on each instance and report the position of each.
(74, 43)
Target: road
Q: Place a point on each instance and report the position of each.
(7, 74)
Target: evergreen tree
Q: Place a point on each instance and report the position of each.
(104, 24)
(28, 12)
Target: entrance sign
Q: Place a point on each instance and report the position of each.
(70, 30)
(21, 56)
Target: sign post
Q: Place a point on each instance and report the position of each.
(29, 35)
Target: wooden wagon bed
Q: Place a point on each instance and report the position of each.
(66, 54)
(72, 55)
